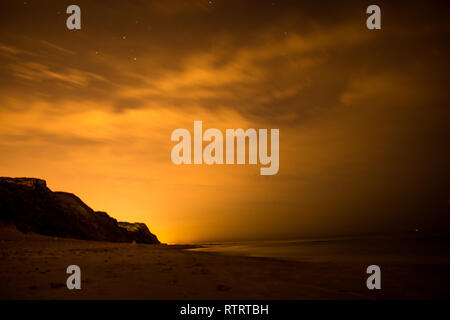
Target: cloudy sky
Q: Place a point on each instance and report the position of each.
(363, 115)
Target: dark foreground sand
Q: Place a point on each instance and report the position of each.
(34, 267)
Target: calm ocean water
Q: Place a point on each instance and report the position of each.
(413, 248)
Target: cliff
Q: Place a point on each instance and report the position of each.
(31, 206)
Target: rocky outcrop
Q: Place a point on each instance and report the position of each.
(139, 231)
(32, 207)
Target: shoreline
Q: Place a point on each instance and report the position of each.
(34, 267)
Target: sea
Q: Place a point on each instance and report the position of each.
(413, 247)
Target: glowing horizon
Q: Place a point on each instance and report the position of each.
(363, 115)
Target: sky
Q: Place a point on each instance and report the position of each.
(363, 114)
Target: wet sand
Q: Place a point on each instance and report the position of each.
(34, 267)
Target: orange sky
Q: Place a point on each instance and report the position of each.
(363, 115)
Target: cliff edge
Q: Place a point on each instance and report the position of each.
(31, 206)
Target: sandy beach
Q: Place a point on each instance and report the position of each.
(34, 267)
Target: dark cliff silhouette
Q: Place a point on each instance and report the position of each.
(32, 207)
